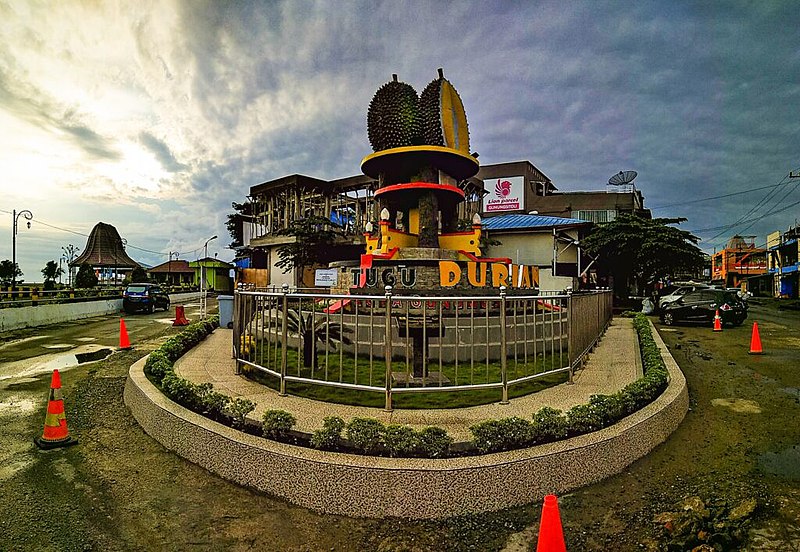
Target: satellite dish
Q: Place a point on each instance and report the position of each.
(622, 178)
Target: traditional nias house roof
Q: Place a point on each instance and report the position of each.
(104, 249)
(174, 267)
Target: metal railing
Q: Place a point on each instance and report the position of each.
(396, 344)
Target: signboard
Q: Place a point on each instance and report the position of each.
(326, 277)
(505, 194)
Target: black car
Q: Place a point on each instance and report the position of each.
(144, 297)
(702, 305)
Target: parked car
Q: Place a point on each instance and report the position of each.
(702, 305)
(144, 297)
(677, 291)
(743, 295)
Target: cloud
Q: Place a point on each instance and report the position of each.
(161, 151)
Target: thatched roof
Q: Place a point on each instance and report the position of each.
(104, 249)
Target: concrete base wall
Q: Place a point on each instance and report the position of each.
(42, 315)
(364, 486)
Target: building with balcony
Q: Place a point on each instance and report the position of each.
(783, 263)
(740, 260)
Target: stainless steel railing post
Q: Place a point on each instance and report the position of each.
(387, 338)
(284, 339)
(503, 348)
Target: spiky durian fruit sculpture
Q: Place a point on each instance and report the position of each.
(444, 122)
(393, 117)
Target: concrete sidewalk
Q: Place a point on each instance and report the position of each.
(614, 363)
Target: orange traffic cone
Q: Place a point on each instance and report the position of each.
(551, 535)
(124, 342)
(755, 341)
(717, 322)
(180, 317)
(55, 432)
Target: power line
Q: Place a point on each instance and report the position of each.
(716, 197)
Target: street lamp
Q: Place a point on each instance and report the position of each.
(29, 216)
(203, 300)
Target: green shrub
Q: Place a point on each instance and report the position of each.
(399, 440)
(434, 442)
(172, 349)
(365, 434)
(238, 409)
(609, 408)
(583, 418)
(330, 436)
(212, 402)
(157, 366)
(181, 391)
(277, 424)
(549, 425)
(504, 434)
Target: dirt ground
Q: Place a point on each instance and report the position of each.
(120, 490)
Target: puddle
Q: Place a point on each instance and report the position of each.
(168, 321)
(59, 346)
(43, 364)
(24, 340)
(86, 339)
(785, 463)
(743, 406)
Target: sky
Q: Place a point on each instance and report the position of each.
(155, 116)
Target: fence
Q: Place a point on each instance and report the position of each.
(396, 344)
(24, 296)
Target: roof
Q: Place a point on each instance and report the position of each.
(530, 222)
(104, 248)
(210, 262)
(172, 267)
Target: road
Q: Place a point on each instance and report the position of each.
(119, 490)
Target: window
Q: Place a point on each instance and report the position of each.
(596, 216)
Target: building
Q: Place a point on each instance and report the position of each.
(740, 260)
(552, 244)
(784, 263)
(214, 273)
(173, 273)
(519, 187)
(105, 253)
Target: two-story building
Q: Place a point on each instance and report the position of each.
(784, 262)
(740, 260)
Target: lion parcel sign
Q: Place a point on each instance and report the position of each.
(505, 194)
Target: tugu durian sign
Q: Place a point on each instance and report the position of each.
(489, 275)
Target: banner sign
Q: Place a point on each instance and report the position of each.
(505, 194)
(326, 277)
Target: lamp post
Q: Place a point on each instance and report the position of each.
(28, 216)
(203, 300)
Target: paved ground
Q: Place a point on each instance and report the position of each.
(613, 364)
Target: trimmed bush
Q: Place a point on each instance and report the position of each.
(238, 409)
(504, 434)
(583, 418)
(434, 442)
(365, 434)
(213, 403)
(181, 391)
(330, 436)
(399, 440)
(549, 425)
(277, 424)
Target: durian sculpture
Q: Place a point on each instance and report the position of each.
(393, 119)
(444, 122)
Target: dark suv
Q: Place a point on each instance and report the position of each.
(146, 297)
(702, 305)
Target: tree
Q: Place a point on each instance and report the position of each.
(235, 222)
(85, 277)
(312, 328)
(9, 271)
(139, 274)
(313, 237)
(51, 271)
(638, 251)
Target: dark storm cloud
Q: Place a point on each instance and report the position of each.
(162, 152)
